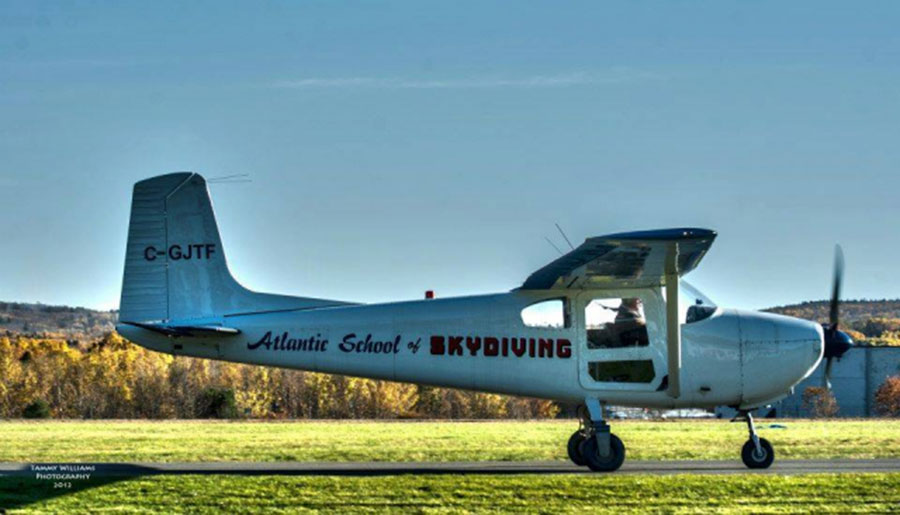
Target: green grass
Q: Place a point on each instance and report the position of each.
(169, 441)
(113, 441)
(520, 493)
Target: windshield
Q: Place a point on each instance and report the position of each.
(693, 296)
(695, 306)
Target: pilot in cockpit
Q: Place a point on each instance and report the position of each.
(627, 329)
(629, 311)
(630, 324)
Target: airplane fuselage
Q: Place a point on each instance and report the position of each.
(482, 343)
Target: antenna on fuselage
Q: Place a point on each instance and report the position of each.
(564, 236)
(553, 245)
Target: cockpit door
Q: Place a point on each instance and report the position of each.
(621, 339)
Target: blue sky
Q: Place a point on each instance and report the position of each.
(396, 147)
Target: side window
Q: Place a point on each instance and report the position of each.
(634, 371)
(551, 314)
(616, 323)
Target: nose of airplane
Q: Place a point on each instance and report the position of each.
(777, 352)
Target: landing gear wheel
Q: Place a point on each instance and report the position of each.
(761, 459)
(599, 463)
(574, 448)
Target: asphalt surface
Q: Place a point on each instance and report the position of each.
(784, 467)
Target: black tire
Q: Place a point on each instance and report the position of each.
(753, 459)
(574, 448)
(598, 463)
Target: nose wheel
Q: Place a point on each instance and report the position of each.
(757, 453)
(593, 444)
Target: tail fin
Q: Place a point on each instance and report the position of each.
(175, 266)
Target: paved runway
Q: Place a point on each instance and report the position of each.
(484, 467)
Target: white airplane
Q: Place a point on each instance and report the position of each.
(609, 322)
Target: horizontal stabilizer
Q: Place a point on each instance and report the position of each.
(176, 331)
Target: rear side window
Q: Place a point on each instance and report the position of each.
(548, 314)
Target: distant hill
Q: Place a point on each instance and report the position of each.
(851, 310)
(872, 322)
(869, 322)
(56, 321)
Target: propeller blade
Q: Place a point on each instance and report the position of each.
(826, 379)
(836, 341)
(836, 286)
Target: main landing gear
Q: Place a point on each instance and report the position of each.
(593, 444)
(757, 452)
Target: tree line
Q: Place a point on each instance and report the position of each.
(113, 378)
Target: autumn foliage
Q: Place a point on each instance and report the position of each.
(820, 402)
(113, 378)
(887, 397)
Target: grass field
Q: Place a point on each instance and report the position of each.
(114, 441)
(172, 441)
(416, 494)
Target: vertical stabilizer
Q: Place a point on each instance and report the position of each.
(175, 266)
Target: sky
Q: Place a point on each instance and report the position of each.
(397, 147)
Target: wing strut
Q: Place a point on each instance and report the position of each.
(673, 327)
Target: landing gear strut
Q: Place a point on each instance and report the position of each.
(757, 452)
(593, 444)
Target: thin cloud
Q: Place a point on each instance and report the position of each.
(535, 81)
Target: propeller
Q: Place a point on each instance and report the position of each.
(837, 342)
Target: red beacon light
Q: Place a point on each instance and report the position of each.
(429, 294)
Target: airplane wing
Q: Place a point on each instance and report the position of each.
(624, 260)
(176, 331)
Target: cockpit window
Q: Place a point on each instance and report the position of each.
(695, 305)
